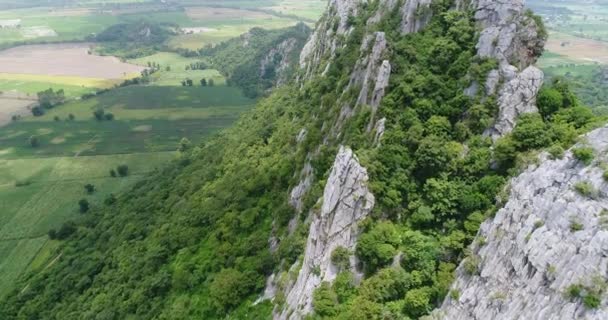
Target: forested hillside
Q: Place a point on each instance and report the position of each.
(259, 59)
(389, 80)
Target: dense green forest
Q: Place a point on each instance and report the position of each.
(191, 240)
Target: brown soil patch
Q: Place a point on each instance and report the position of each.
(584, 50)
(13, 107)
(63, 60)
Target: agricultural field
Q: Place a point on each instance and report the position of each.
(40, 186)
(45, 161)
(221, 20)
(176, 71)
(27, 69)
(577, 48)
(37, 195)
(10, 107)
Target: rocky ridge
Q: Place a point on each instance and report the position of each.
(547, 238)
(370, 78)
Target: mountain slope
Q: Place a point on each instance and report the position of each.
(351, 194)
(549, 241)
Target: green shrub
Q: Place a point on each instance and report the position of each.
(585, 188)
(340, 257)
(556, 152)
(575, 225)
(471, 264)
(584, 155)
(574, 291)
(592, 300)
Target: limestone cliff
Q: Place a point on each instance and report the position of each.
(346, 201)
(548, 238)
(515, 40)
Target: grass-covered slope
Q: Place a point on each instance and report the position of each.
(192, 241)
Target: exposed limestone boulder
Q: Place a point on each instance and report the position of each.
(513, 38)
(346, 201)
(516, 97)
(547, 237)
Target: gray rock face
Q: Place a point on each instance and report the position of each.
(516, 97)
(346, 201)
(371, 71)
(324, 41)
(283, 51)
(512, 38)
(416, 15)
(533, 250)
(298, 192)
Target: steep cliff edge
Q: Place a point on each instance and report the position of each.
(346, 202)
(550, 238)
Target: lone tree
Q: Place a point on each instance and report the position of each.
(34, 142)
(204, 82)
(123, 170)
(109, 116)
(211, 82)
(189, 82)
(84, 205)
(89, 188)
(71, 117)
(112, 173)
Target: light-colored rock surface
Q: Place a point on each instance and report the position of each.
(371, 71)
(516, 97)
(324, 41)
(346, 201)
(531, 256)
(512, 38)
(416, 15)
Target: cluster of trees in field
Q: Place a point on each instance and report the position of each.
(203, 82)
(197, 66)
(48, 99)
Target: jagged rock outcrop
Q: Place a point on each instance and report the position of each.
(371, 72)
(277, 61)
(346, 201)
(515, 40)
(516, 97)
(325, 39)
(547, 237)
